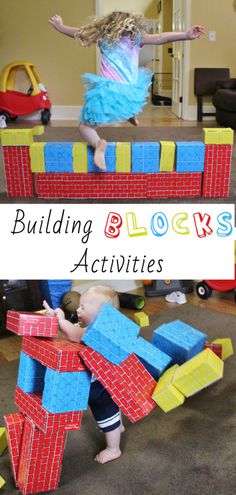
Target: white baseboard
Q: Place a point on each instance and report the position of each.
(191, 112)
(59, 112)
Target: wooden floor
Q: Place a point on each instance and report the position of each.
(222, 302)
(154, 116)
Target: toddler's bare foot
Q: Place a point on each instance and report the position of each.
(107, 455)
(134, 121)
(99, 154)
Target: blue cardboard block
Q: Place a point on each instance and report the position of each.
(31, 374)
(145, 157)
(58, 157)
(179, 340)
(154, 360)
(54, 290)
(66, 392)
(110, 158)
(190, 156)
(112, 334)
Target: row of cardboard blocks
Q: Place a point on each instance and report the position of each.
(137, 157)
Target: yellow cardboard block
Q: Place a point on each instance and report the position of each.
(80, 157)
(227, 347)
(218, 136)
(226, 136)
(235, 252)
(167, 161)
(211, 136)
(2, 482)
(141, 319)
(198, 373)
(166, 394)
(20, 137)
(123, 157)
(3, 440)
(37, 162)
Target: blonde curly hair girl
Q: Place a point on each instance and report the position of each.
(112, 27)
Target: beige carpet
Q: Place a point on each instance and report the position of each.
(127, 134)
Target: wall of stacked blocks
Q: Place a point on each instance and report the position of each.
(54, 382)
(134, 170)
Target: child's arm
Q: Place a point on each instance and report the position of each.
(73, 332)
(57, 22)
(193, 33)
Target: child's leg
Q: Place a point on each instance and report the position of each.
(134, 120)
(112, 450)
(90, 135)
(107, 415)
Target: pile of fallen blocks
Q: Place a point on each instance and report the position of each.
(55, 375)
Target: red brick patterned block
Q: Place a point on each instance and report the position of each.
(119, 185)
(174, 185)
(217, 170)
(129, 384)
(19, 178)
(31, 406)
(91, 185)
(59, 355)
(40, 459)
(216, 348)
(14, 424)
(32, 324)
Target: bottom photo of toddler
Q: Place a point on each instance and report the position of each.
(117, 387)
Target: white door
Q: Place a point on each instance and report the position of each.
(178, 53)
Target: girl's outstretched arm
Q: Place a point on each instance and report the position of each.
(57, 22)
(193, 33)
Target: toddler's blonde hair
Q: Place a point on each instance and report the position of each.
(112, 27)
(107, 292)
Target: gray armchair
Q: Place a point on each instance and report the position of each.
(225, 102)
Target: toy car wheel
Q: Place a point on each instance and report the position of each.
(7, 116)
(45, 116)
(203, 290)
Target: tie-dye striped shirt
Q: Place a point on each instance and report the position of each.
(120, 61)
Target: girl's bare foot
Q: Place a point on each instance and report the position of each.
(134, 121)
(107, 455)
(99, 154)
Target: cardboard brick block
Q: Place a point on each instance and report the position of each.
(166, 394)
(152, 358)
(179, 340)
(145, 157)
(67, 391)
(141, 319)
(14, 424)
(3, 440)
(129, 384)
(227, 347)
(198, 373)
(31, 374)
(40, 459)
(58, 157)
(33, 324)
(31, 406)
(112, 334)
(59, 355)
(123, 157)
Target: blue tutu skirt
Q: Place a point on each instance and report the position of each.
(107, 101)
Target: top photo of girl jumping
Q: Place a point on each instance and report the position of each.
(121, 91)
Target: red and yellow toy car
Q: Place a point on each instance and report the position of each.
(16, 103)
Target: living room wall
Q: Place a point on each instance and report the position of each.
(26, 35)
(219, 16)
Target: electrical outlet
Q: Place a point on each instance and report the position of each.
(212, 36)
